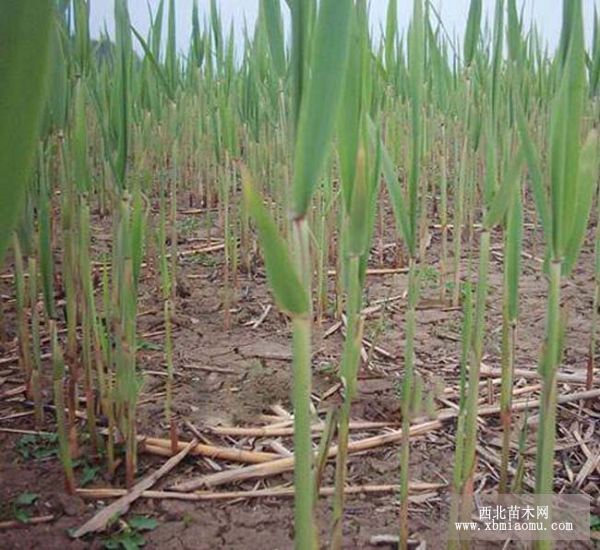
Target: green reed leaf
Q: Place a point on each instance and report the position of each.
(287, 288)
(25, 30)
(319, 105)
(586, 189)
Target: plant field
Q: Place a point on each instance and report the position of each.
(308, 289)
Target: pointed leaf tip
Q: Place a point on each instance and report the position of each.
(288, 291)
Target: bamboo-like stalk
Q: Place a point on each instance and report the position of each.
(168, 312)
(127, 366)
(407, 396)
(459, 207)
(104, 357)
(21, 301)
(508, 355)
(58, 377)
(548, 366)
(46, 262)
(512, 247)
(595, 305)
(227, 264)
(173, 229)
(71, 284)
(472, 392)
(444, 214)
(304, 519)
(88, 322)
(457, 473)
(348, 371)
(36, 371)
(168, 283)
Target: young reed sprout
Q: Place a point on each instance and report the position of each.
(316, 98)
(127, 258)
(406, 206)
(357, 232)
(563, 210)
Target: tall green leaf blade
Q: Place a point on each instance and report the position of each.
(472, 31)
(586, 188)
(574, 86)
(540, 194)
(498, 54)
(595, 57)
(158, 70)
(171, 53)
(197, 42)
(156, 36)
(287, 288)
(82, 34)
(138, 230)
(416, 62)
(359, 209)
(490, 177)
(504, 197)
(80, 144)
(349, 117)
(319, 105)
(25, 30)
(56, 109)
(274, 25)
(396, 195)
(121, 113)
(514, 32)
(301, 15)
(514, 242)
(391, 29)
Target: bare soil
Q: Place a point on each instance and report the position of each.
(230, 377)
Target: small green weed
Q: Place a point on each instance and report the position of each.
(38, 446)
(130, 537)
(20, 505)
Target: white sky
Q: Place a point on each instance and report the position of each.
(545, 13)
